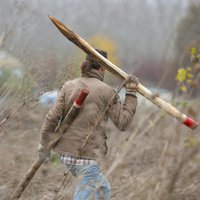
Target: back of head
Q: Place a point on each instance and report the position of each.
(90, 63)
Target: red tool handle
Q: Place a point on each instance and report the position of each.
(190, 122)
(81, 98)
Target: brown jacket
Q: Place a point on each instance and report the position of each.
(94, 105)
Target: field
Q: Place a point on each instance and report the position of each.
(157, 158)
(159, 42)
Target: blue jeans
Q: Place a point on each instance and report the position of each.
(93, 182)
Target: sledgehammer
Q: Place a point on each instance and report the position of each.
(82, 44)
(69, 118)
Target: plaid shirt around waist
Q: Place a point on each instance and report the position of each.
(69, 159)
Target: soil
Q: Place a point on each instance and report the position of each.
(134, 168)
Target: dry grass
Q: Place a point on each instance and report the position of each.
(157, 158)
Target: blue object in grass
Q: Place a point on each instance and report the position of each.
(48, 98)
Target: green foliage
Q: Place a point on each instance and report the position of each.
(180, 103)
(191, 141)
(14, 78)
(184, 77)
(181, 75)
(187, 36)
(193, 51)
(188, 78)
(55, 159)
(14, 81)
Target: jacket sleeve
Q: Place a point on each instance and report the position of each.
(53, 118)
(122, 115)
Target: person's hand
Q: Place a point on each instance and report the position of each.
(131, 84)
(43, 153)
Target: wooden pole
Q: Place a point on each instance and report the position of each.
(82, 44)
(71, 115)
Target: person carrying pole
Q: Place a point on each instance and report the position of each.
(87, 164)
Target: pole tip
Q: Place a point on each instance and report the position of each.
(191, 123)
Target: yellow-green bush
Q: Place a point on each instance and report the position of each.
(14, 80)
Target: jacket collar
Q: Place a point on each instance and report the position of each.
(93, 74)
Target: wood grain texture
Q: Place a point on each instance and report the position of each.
(82, 44)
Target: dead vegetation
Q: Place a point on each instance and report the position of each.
(156, 159)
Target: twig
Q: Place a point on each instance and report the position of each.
(11, 114)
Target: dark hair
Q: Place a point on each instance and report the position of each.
(93, 63)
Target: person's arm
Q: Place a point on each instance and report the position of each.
(52, 118)
(122, 115)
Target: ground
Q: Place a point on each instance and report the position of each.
(157, 158)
